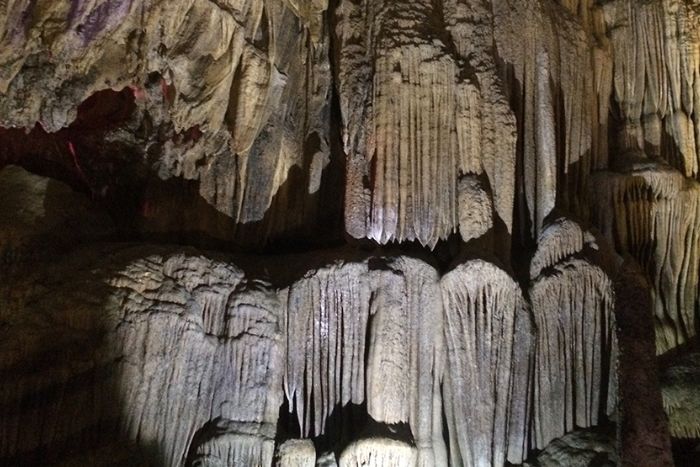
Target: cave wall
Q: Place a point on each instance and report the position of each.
(347, 232)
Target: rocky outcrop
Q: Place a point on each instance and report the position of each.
(234, 98)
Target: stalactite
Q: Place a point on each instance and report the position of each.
(576, 350)
(393, 302)
(392, 187)
(489, 339)
(327, 319)
(653, 213)
(406, 348)
(559, 75)
(560, 239)
(657, 49)
(428, 124)
(250, 80)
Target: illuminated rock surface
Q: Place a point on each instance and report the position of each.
(349, 232)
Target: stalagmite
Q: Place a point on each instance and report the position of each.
(489, 340)
(575, 354)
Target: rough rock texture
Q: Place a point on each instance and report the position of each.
(558, 71)
(296, 453)
(378, 451)
(414, 121)
(653, 213)
(642, 424)
(233, 96)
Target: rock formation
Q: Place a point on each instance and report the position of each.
(354, 326)
(489, 341)
(349, 232)
(576, 350)
(679, 388)
(139, 337)
(578, 448)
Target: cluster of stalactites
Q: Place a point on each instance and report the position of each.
(657, 79)
(150, 330)
(414, 123)
(653, 213)
(489, 338)
(504, 352)
(353, 326)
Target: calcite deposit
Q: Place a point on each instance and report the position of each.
(349, 232)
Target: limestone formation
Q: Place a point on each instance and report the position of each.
(296, 453)
(349, 232)
(576, 349)
(489, 337)
(378, 451)
(680, 389)
(559, 74)
(246, 85)
(354, 326)
(581, 448)
(652, 212)
(415, 121)
(135, 351)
